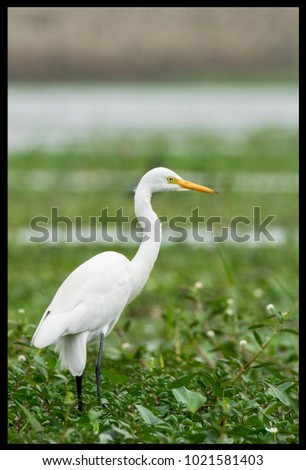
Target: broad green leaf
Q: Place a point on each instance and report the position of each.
(148, 416)
(241, 431)
(115, 377)
(96, 427)
(94, 415)
(289, 330)
(105, 438)
(184, 380)
(284, 386)
(33, 421)
(122, 432)
(207, 378)
(271, 407)
(258, 338)
(193, 400)
(279, 394)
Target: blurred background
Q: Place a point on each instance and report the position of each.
(99, 95)
(151, 43)
(149, 69)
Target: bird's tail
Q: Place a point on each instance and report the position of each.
(72, 351)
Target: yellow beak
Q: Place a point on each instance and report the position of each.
(195, 187)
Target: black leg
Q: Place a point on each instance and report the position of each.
(78, 379)
(98, 368)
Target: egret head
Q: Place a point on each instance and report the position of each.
(163, 179)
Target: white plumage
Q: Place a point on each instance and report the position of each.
(90, 301)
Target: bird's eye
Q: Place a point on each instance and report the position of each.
(170, 179)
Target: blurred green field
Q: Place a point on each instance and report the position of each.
(162, 342)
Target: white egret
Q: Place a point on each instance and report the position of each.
(90, 301)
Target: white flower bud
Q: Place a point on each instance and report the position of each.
(198, 285)
(258, 293)
(273, 430)
(210, 333)
(229, 311)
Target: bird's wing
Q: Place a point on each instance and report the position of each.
(90, 299)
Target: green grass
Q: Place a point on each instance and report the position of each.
(173, 368)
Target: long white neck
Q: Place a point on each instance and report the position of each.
(144, 260)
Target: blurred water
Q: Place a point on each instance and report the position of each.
(49, 115)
